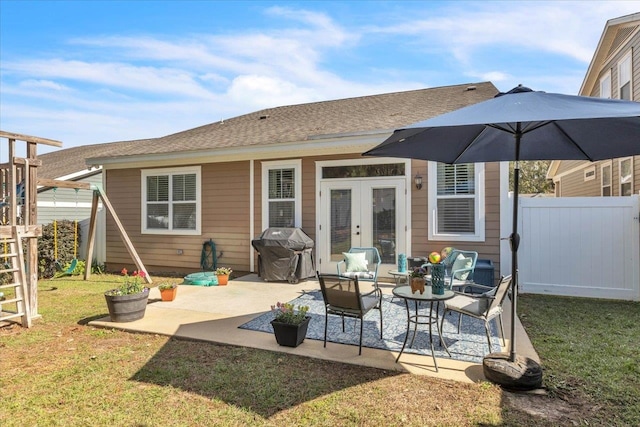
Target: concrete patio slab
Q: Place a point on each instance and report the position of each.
(214, 313)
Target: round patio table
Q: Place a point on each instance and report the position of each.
(416, 318)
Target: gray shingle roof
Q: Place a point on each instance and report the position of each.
(302, 123)
(69, 161)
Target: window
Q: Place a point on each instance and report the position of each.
(281, 189)
(456, 202)
(605, 85)
(606, 179)
(626, 176)
(171, 201)
(624, 77)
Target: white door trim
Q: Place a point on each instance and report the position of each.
(320, 243)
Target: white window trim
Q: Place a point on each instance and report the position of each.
(143, 200)
(282, 164)
(630, 159)
(624, 58)
(606, 76)
(479, 235)
(602, 166)
(589, 173)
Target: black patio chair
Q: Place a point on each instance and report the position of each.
(342, 297)
(485, 307)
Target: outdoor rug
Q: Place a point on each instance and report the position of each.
(469, 345)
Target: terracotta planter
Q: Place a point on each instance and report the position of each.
(127, 308)
(168, 294)
(290, 335)
(417, 284)
(223, 279)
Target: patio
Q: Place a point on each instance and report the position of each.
(214, 314)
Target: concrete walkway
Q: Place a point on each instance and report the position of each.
(214, 313)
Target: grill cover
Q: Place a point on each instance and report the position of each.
(284, 254)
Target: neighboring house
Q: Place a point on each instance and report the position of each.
(614, 73)
(66, 203)
(301, 165)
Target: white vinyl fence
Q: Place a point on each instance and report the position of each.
(580, 246)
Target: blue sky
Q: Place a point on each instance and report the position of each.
(85, 72)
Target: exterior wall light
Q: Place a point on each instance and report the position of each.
(418, 181)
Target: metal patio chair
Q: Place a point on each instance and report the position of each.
(485, 307)
(342, 297)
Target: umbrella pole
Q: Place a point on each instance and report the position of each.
(514, 242)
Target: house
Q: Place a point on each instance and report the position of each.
(614, 73)
(301, 166)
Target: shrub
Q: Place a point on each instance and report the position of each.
(47, 264)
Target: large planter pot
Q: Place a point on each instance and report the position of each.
(127, 308)
(290, 335)
(223, 279)
(168, 294)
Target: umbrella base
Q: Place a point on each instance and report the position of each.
(522, 374)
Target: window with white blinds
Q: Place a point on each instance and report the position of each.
(456, 203)
(171, 201)
(281, 194)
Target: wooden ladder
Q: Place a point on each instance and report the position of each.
(15, 298)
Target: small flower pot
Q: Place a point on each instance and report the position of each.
(168, 294)
(417, 284)
(288, 335)
(223, 279)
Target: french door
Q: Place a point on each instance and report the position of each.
(361, 213)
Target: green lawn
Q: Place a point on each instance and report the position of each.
(64, 372)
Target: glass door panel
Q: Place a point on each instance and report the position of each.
(340, 222)
(383, 218)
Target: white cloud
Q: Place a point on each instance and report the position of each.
(43, 84)
(262, 92)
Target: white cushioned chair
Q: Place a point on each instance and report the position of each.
(362, 263)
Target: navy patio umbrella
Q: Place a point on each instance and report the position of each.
(521, 125)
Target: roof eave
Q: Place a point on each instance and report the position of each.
(356, 142)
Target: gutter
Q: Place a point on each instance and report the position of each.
(356, 142)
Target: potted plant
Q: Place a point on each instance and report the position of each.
(168, 291)
(417, 279)
(290, 324)
(223, 275)
(128, 302)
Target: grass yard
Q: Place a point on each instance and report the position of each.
(64, 372)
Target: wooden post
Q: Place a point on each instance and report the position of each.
(30, 213)
(92, 234)
(123, 234)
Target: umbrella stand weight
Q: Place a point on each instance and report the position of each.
(523, 373)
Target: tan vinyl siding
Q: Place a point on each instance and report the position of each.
(567, 165)
(574, 185)
(489, 249)
(225, 219)
(225, 210)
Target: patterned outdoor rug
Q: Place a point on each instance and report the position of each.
(469, 345)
